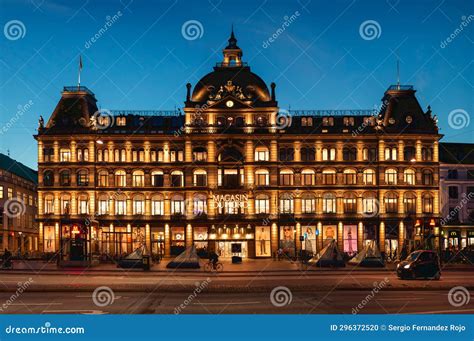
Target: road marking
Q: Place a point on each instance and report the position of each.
(71, 311)
(226, 303)
(27, 304)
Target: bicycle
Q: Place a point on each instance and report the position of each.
(209, 267)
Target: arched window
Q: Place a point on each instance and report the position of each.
(103, 205)
(329, 203)
(428, 177)
(120, 178)
(349, 154)
(350, 177)
(262, 204)
(177, 204)
(83, 177)
(103, 178)
(65, 178)
(157, 178)
(307, 177)
(391, 153)
(83, 204)
(369, 204)
(369, 177)
(409, 176)
(262, 154)
(350, 203)
(329, 154)
(48, 178)
(158, 205)
(82, 154)
(199, 204)
(138, 204)
(177, 179)
(121, 204)
(409, 203)
(286, 177)
(308, 203)
(262, 177)
(200, 154)
(138, 178)
(106, 155)
(200, 178)
(286, 204)
(65, 204)
(329, 177)
(48, 204)
(427, 203)
(308, 154)
(391, 176)
(391, 202)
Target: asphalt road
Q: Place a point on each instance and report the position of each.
(335, 302)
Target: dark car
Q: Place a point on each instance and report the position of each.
(420, 264)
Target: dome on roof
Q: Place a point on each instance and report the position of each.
(231, 77)
(251, 85)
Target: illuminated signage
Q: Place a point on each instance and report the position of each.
(235, 200)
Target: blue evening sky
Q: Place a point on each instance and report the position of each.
(320, 61)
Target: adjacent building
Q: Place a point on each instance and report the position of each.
(234, 173)
(457, 195)
(18, 206)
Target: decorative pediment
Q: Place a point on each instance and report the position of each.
(230, 102)
(229, 89)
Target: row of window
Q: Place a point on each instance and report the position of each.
(370, 204)
(261, 154)
(26, 198)
(235, 177)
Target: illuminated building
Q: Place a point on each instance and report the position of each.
(235, 174)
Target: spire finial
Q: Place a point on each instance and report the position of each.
(398, 73)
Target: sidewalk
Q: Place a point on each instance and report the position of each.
(248, 266)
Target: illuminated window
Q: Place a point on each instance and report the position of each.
(200, 178)
(286, 177)
(369, 177)
(199, 204)
(138, 178)
(328, 121)
(120, 205)
(83, 177)
(329, 177)
(157, 178)
(348, 121)
(262, 177)
(369, 154)
(391, 154)
(409, 203)
(427, 203)
(103, 179)
(262, 204)
(64, 155)
(391, 203)
(177, 204)
(121, 121)
(286, 204)
(177, 179)
(329, 154)
(307, 177)
(350, 177)
(139, 205)
(329, 203)
(120, 178)
(409, 176)
(308, 203)
(157, 205)
(369, 204)
(83, 204)
(48, 204)
(391, 176)
(262, 154)
(350, 203)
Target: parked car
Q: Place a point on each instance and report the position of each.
(420, 264)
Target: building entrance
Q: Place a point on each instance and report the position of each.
(227, 249)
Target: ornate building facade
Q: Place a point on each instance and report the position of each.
(236, 174)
